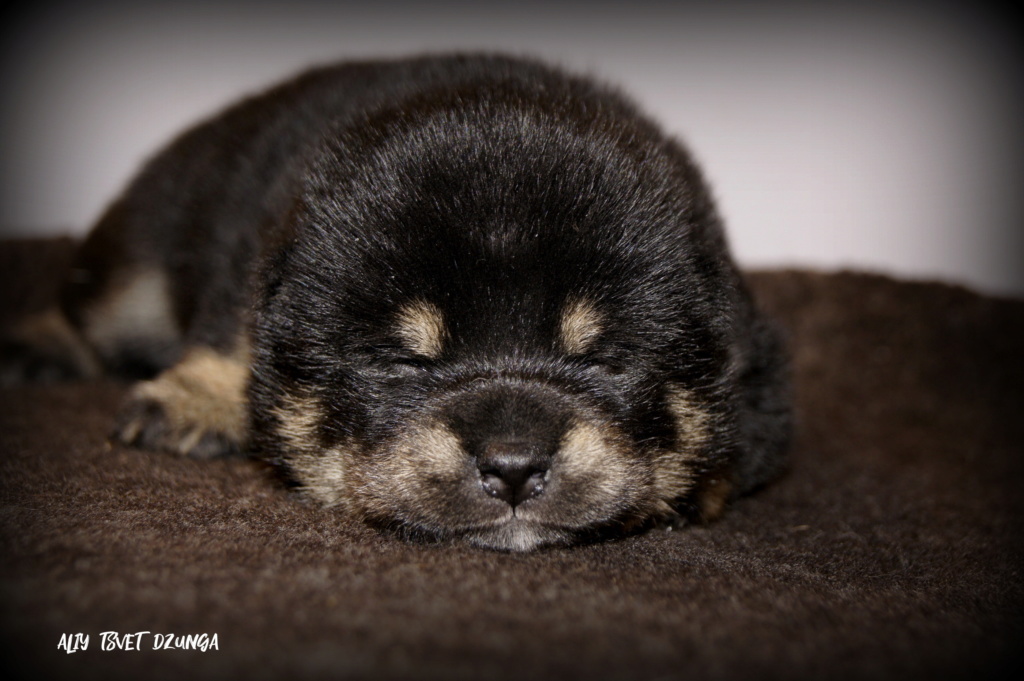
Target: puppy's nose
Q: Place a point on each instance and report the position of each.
(512, 471)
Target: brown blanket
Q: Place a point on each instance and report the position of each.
(891, 549)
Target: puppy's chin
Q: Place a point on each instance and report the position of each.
(521, 532)
(516, 534)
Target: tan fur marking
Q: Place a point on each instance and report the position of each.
(425, 453)
(433, 448)
(298, 417)
(139, 307)
(324, 475)
(593, 453)
(674, 475)
(203, 393)
(426, 460)
(580, 326)
(421, 327)
(428, 450)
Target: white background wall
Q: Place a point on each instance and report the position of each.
(886, 138)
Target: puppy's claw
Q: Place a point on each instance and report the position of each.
(194, 409)
(145, 423)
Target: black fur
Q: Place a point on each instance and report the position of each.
(497, 190)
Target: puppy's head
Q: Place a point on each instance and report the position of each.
(498, 323)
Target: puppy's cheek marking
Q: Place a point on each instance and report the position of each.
(196, 408)
(421, 327)
(417, 477)
(580, 326)
(136, 312)
(298, 417)
(675, 469)
(323, 475)
(595, 458)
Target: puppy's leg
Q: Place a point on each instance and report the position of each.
(42, 348)
(123, 322)
(195, 408)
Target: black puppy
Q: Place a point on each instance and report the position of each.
(467, 297)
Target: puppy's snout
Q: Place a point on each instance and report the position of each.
(512, 430)
(513, 471)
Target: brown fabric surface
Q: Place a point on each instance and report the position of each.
(890, 550)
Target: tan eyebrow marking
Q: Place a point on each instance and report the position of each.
(580, 326)
(421, 327)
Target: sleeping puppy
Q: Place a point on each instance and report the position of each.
(464, 297)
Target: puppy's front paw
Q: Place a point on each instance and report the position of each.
(150, 423)
(196, 408)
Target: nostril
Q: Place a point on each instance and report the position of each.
(494, 485)
(532, 486)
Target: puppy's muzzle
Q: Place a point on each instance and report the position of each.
(512, 432)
